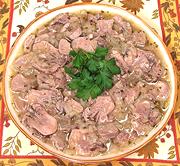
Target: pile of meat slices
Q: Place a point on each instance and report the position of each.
(129, 110)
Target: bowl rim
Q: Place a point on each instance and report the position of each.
(63, 156)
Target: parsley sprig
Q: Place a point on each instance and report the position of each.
(91, 72)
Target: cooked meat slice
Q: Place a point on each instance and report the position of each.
(163, 88)
(60, 79)
(141, 128)
(107, 131)
(120, 61)
(133, 136)
(45, 67)
(72, 107)
(20, 103)
(155, 74)
(121, 138)
(92, 18)
(141, 61)
(57, 80)
(105, 26)
(101, 41)
(100, 109)
(123, 26)
(83, 140)
(142, 110)
(45, 81)
(23, 64)
(61, 19)
(19, 83)
(59, 140)
(23, 60)
(28, 43)
(64, 47)
(139, 38)
(118, 19)
(42, 37)
(65, 124)
(154, 117)
(45, 47)
(41, 120)
(117, 92)
(131, 94)
(43, 96)
(85, 44)
(65, 27)
(75, 34)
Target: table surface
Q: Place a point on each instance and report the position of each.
(162, 15)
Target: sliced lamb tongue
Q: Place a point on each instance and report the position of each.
(65, 123)
(99, 110)
(44, 97)
(131, 95)
(58, 140)
(124, 137)
(72, 107)
(141, 128)
(75, 34)
(41, 121)
(142, 110)
(156, 73)
(45, 67)
(141, 61)
(28, 43)
(123, 25)
(105, 26)
(57, 80)
(107, 131)
(138, 38)
(163, 90)
(120, 60)
(52, 58)
(83, 141)
(101, 41)
(42, 37)
(20, 103)
(45, 47)
(19, 83)
(154, 117)
(121, 138)
(85, 44)
(61, 19)
(45, 81)
(64, 47)
(22, 61)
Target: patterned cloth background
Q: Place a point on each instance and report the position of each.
(162, 15)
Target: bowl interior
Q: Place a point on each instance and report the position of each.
(90, 7)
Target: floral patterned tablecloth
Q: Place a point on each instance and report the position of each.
(162, 15)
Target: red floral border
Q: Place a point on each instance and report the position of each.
(52, 157)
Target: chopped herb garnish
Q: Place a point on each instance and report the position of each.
(91, 72)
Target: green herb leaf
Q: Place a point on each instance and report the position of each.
(73, 53)
(83, 93)
(95, 91)
(103, 80)
(101, 52)
(69, 71)
(114, 69)
(92, 65)
(79, 60)
(74, 84)
(91, 73)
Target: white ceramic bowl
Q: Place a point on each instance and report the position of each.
(164, 55)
